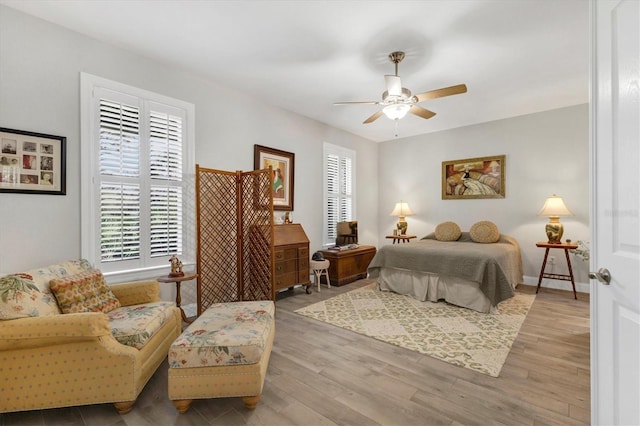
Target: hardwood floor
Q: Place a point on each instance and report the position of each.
(323, 375)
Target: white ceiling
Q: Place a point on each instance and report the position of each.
(515, 56)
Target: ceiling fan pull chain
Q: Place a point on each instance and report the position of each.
(397, 121)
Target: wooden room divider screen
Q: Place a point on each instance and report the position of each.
(235, 236)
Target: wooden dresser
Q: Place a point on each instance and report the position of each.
(291, 257)
(348, 265)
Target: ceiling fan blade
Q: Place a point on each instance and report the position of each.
(373, 118)
(358, 103)
(394, 85)
(439, 93)
(421, 112)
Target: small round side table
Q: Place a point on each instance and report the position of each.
(178, 281)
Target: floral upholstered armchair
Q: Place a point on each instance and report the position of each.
(68, 338)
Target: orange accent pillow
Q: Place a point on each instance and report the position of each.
(84, 292)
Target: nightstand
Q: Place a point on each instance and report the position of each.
(398, 238)
(564, 277)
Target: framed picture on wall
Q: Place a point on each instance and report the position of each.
(282, 166)
(32, 163)
(482, 177)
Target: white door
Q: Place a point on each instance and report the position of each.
(615, 149)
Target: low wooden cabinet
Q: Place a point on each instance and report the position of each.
(348, 265)
(291, 257)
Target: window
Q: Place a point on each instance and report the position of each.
(136, 147)
(339, 189)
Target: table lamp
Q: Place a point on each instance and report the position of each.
(401, 210)
(554, 208)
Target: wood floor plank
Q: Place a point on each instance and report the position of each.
(459, 414)
(387, 410)
(422, 379)
(488, 404)
(316, 394)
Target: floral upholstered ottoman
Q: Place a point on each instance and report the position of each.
(224, 353)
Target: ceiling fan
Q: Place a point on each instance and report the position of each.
(397, 100)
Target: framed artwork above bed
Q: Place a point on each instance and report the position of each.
(470, 178)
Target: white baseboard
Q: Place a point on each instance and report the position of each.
(557, 284)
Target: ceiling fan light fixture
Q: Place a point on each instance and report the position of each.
(397, 101)
(396, 111)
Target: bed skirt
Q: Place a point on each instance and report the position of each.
(430, 287)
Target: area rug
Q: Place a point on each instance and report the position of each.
(459, 336)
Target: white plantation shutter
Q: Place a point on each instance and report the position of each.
(119, 221)
(137, 140)
(339, 189)
(165, 156)
(332, 171)
(165, 169)
(166, 220)
(346, 190)
(119, 139)
(119, 160)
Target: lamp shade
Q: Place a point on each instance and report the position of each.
(554, 206)
(402, 209)
(396, 111)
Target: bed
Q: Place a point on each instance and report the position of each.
(463, 272)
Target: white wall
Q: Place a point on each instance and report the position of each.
(546, 153)
(40, 65)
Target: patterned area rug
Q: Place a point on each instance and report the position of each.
(459, 336)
